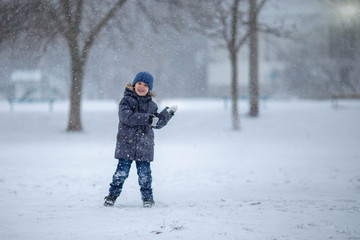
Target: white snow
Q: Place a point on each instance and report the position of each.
(292, 173)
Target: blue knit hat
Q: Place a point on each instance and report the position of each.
(145, 77)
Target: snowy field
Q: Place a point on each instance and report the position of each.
(293, 173)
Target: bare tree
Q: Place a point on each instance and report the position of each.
(69, 18)
(48, 20)
(224, 21)
(253, 60)
(233, 23)
(234, 42)
(254, 9)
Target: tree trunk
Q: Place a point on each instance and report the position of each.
(77, 74)
(253, 45)
(234, 92)
(233, 50)
(74, 124)
(79, 58)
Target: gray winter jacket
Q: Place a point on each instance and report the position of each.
(135, 138)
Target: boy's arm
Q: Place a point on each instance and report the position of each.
(130, 118)
(165, 116)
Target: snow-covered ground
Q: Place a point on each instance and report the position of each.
(292, 173)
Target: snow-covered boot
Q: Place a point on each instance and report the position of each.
(109, 200)
(148, 203)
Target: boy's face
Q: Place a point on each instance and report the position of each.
(141, 89)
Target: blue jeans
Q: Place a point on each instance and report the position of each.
(122, 173)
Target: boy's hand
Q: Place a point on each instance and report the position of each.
(173, 109)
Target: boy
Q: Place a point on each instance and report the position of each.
(135, 138)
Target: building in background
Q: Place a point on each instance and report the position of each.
(344, 45)
(318, 59)
(272, 62)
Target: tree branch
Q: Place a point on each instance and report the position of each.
(224, 30)
(264, 28)
(66, 10)
(234, 23)
(260, 6)
(242, 41)
(91, 38)
(77, 20)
